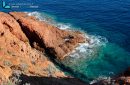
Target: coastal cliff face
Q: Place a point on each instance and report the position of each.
(58, 43)
(28, 47)
(25, 45)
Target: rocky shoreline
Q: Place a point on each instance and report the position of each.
(26, 46)
(29, 48)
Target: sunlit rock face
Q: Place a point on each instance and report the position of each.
(26, 43)
(17, 56)
(59, 43)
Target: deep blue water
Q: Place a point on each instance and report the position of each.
(106, 18)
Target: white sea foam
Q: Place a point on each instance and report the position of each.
(101, 78)
(46, 18)
(107, 79)
(85, 52)
(87, 49)
(40, 16)
(63, 26)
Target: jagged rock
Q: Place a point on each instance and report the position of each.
(58, 43)
(16, 54)
(10, 23)
(18, 33)
(123, 78)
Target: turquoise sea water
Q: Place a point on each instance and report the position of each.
(107, 22)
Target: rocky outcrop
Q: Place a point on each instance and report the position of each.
(124, 78)
(58, 43)
(120, 79)
(13, 26)
(16, 54)
(25, 43)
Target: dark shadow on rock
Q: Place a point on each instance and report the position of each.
(34, 80)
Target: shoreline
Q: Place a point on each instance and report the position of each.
(28, 50)
(17, 26)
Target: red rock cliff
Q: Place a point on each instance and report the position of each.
(58, 43)
(24, 43)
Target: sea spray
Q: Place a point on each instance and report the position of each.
(102, 78)
(49, 19)
(41, 16)
(85, 51)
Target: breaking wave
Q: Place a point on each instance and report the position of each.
(101, 78)
(85, 51)
(49, 19)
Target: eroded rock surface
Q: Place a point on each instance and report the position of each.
(58, 43)
(10, 23)
(16, 54)
(25, 43)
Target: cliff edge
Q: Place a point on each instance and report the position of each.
(25, 45)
